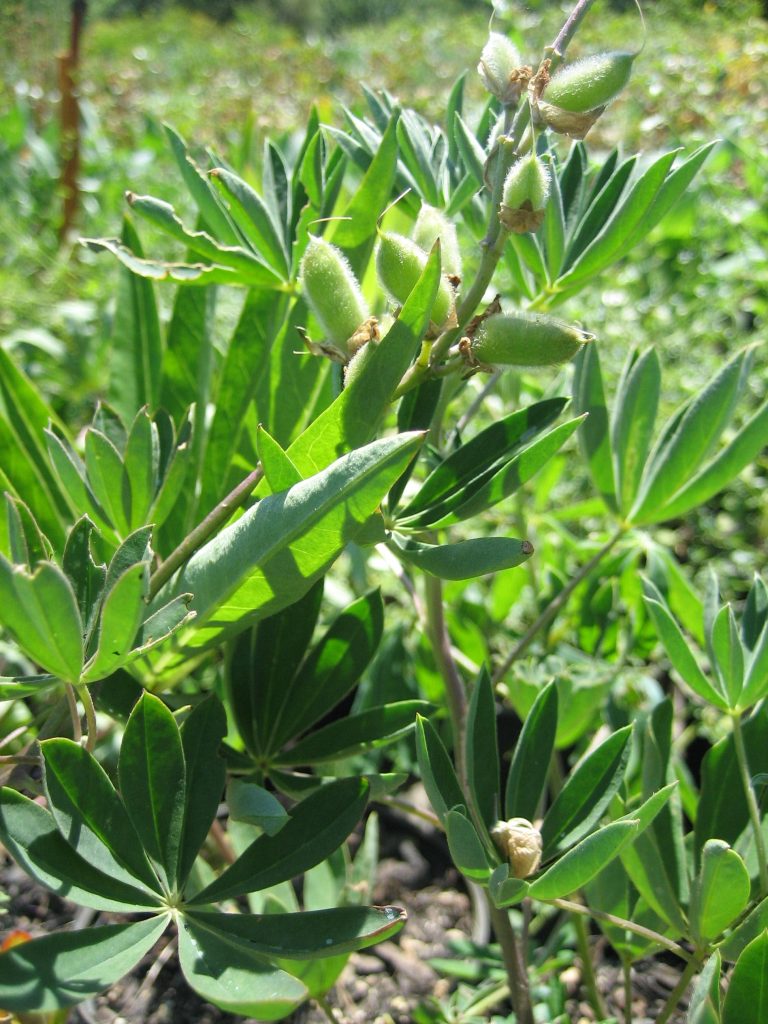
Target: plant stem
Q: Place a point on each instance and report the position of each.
(516, 970)
(325, 1006)
(205, 529)
(415, 812)
(620, 922)
(749, 793)
(626, 971)
(678, 991)
(587, 967)
(489, 1001)
(554, 606)
(90, 718)
(74, 714)
(455, 695)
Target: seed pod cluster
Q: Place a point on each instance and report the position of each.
(500, 69)
(519, 842)
(400, 262)
(334, 295)
(524, 339)
(525, 194)
(432, 224)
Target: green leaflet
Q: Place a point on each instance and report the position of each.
(67, 967)
(270, 556)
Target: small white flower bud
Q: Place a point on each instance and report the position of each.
(519, 841)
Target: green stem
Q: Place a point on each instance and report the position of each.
(455, 694)
(587, 967)
(205, 529)
(489, 1001)
(74, 714)
(620, 922)
(517, 974)
(749, 793)
(555, 606)
(325, 1006)
(678, 991)
(90, 718)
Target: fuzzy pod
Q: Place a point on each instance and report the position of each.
(519, 842)
(500, 70)
(400, 263)
(589, 83)
(332, 291)
(525, 195)
(432, 224)
(525, 339)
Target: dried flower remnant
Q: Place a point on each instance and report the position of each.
(519, 841)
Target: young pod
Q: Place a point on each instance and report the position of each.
(432, 224)
(590, 83)
(519, 842)
(525, 339)
(525, 194)
(400, 262)
(500, 70)
(333, 293)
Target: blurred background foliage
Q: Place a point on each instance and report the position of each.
(228, 74)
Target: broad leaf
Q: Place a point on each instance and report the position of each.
(271, 555)
(464, 559)
(223, 970)
(720, 892)
(318, 825)
(746, 1001)
(30, 834)
(68, 967)
(202, 733)
(581, 863)
(152, 782)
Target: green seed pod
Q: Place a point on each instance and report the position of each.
(332, 292)
(500, 70)
(432, 224)
(400, 262)
(525, 339)
(524, 199)
(590, 83)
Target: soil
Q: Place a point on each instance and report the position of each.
(381, 985)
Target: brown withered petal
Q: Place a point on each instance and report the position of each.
(367, 331)
(565, 122)
(521, 220)
(520, 842)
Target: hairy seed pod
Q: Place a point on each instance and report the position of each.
(332, 292)
(432, 224)
(589, 83)
(500, 70)
(525, 339)
(519, 842)
(525, 194)
(400, 262)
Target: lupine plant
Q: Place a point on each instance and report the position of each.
(390, 390)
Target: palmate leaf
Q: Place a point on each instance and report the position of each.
(594, 435)
(67, 967)
(531, 760)
(581, 863)
(271, 556)
(482, 750)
